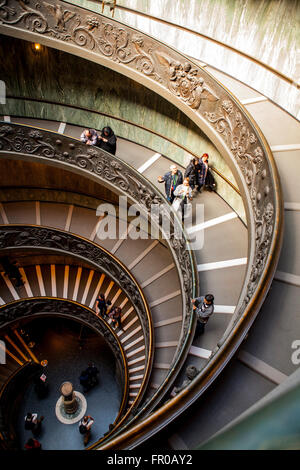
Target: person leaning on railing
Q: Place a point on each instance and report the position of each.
(107, 140)
(204, 308)
(89, 137)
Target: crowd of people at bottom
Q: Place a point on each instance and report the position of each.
(32, 422)
(106, 140)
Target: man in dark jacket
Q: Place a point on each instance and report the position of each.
(172, 179)
(89, 137)
(107, 140)
(192, 171)
(204, 308)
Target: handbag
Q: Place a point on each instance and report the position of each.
(176, 203)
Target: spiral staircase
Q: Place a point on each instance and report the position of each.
(44, 230)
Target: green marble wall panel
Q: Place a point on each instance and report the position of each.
(71, 82)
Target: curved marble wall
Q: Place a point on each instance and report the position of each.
(59, 77)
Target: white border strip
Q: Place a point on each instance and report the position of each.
(37, 212)
(77, 283)
(10, 287)
(261, 367)
(222, 264)
(200, 352)
(135, 361)
(26, 283)
(224, 309)
(165, 298)
(287, 278)
(284, 148)
(149, 162)
(66, 281)
(292, 206)
(143, 254)
(135, 351)
(53, 281)
(40, 280)
(87, 287)
(136, 341)
(161, 365)
(69, 218)
(102, 277)
(259, 99)
(157, 275)
(61, 128)
(3, 214)
(212, 222)
(132, 333)
(169, 321)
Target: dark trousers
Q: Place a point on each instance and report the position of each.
(192, 182)
(171, 197)
(199, 328)
(102, 310)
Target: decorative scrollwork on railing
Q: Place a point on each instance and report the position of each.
(112, 40)
(46, 145)
(197, 94)
(186, 82)
(18, 310)
(249, 155)
(20, 139)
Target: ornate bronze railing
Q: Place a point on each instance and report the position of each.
(39, 237)
(26, 142)
(21, 309)
(8, 408)
(201, 97)
(240, 52)
(125, 121)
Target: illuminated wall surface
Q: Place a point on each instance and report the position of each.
(268, 30)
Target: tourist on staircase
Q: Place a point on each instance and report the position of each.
(85, 428)
(205, 177)
(192, 171)
(89, 137)
(182, 194)
(204, 308)
(107, 140)
(172, 179)
(33, 423)
(101, 305)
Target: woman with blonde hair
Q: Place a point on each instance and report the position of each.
(183, 194)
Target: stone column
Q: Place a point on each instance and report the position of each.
(69, 399)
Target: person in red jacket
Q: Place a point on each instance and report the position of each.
(33, 444)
